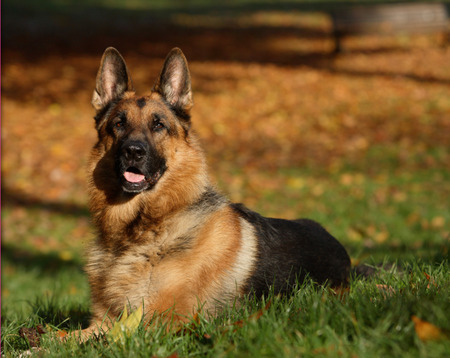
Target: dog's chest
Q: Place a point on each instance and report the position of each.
(131, 272)
(128, 278)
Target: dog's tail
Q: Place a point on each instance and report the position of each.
(365, 271)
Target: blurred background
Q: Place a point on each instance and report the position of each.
(357, 139)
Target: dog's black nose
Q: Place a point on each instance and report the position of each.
(134, 150)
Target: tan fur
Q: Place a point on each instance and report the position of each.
(149, 266)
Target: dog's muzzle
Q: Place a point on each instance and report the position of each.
(140, 167)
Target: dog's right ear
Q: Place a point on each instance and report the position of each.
(113, 79)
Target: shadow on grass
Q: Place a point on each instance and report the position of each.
(12, 198)
(430, 253)
(68, 317)
(48, 263)
(47, 309)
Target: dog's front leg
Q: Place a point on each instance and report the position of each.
(97, 328)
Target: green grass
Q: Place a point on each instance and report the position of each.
(367, 322)
(395, 216)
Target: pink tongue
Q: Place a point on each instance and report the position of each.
(133, 177)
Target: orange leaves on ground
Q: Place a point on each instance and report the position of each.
(340, 113)
(430, 280)
(370, 234)
(427, 331)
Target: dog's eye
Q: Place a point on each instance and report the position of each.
(120, 121)
(157, 125)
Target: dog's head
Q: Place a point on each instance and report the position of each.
(139, 135)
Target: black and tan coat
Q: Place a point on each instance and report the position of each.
(167, 239)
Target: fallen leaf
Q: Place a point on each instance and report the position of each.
(61, 334)
(354, 234)
(65, 255)
(127, 325)
(296, 183)
(430, 280)
(427, 331)
(32, 335)
(438, 222)
(381, 236)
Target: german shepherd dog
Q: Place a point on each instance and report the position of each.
(167, 239)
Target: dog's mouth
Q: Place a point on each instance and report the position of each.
(133, 175)
(135, 181)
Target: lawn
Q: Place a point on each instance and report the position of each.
(358, 142)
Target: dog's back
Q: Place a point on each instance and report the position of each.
(289, 251)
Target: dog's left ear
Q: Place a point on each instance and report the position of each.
(174, 82)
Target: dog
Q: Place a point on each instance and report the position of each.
(168, 240)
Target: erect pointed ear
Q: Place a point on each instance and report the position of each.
(174, 82)
(113, 79)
